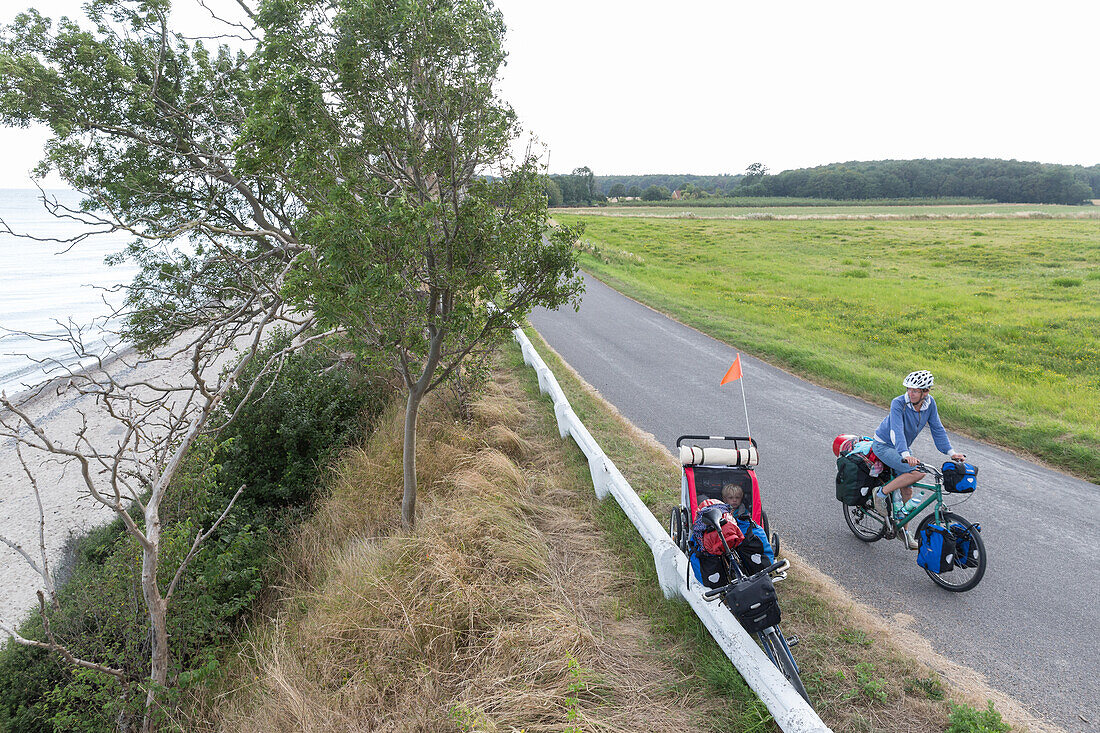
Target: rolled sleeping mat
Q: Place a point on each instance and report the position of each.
(694, 455)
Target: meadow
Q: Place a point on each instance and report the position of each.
(772, 208)
(1005, 312)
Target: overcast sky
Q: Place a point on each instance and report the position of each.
(713, 85)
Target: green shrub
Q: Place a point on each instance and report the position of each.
(872, 687)
(276, 445)
(965, 719)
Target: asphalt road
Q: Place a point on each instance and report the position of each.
(1031, 626)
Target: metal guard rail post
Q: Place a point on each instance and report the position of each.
(790, 711)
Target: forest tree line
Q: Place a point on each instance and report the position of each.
(990, 179)
(1008, 181)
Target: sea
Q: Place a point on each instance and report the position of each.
(44, 284)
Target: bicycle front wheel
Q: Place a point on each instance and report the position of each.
(970, 560)
(775, 646)
(865, 524)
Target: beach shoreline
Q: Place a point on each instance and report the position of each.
(68, 508)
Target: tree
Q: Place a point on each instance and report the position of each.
(617, 191)
(147, 124)
(587, 182)
(634, 192)
(754, 176)
(553, 192)
(394, 116)
(756, 170)
(656, 193)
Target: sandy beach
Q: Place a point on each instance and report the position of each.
(68, 508)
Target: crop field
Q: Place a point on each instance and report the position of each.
(1005, 312)
(877, 211)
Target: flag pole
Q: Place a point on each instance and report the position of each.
(735, 373)
(745, 402)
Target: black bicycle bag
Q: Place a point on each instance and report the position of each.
(959, 477)
(854, 482)
(754, 603)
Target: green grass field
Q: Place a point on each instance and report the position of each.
(920, 211)
(1006, 313)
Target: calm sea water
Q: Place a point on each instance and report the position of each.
(40, 284)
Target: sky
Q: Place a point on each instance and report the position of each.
(710, 86)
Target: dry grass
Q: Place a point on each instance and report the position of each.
(500, 613)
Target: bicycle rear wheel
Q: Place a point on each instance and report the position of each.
(678, 528)
(969, 568)
(773, 538)
(776, 647)
(867, 525)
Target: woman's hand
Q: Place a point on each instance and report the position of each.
(958, 456)
(911, 460)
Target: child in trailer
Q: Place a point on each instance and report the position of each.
(755, 551)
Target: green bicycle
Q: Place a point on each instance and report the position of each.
(870, 525)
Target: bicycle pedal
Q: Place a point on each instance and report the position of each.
(792, 640)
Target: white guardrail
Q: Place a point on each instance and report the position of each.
(791, 712)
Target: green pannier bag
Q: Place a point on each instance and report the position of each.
(851, 478)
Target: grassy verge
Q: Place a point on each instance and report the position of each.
(501, 612)
(858, 677)
(1005, 313)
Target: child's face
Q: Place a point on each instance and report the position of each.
(733, 496)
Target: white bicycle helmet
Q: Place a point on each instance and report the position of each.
(919, 380)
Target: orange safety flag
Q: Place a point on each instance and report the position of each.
(734, 372)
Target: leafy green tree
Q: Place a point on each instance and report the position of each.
(756, 171)
(617, 191)
(343, 164)
(656, 193)
(587, 182)
(394, 115)
(147, 126)
(634, 192)
(553, 192)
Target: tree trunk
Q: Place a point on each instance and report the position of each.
(408, 500)
(158, 611)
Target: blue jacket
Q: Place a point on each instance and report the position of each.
(905, 422)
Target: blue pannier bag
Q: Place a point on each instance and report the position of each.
(963, 544)
(959, 477)
(937, 549)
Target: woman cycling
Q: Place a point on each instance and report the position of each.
(909, 413)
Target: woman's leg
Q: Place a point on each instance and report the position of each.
(904, 482)
(905, 475)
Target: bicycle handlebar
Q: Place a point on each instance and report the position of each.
(776, 566)
(925, 468)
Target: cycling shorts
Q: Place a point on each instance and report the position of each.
(889, 455)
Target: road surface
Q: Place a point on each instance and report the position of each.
(1032, 626)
